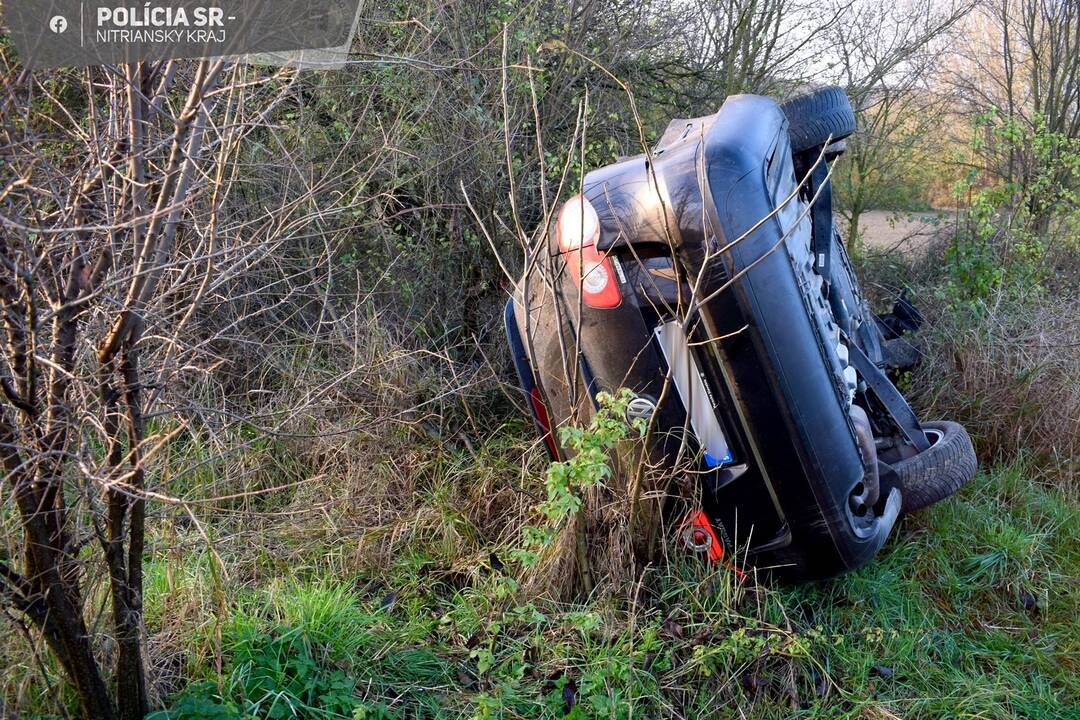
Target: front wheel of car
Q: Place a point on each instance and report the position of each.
(939, 471)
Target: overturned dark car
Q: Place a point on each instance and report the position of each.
(707, 277)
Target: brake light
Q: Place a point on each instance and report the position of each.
(544, 421)
(700, 537)
(577, 230)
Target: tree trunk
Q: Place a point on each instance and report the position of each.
(132, 700)
(854, 235)
(70, 642)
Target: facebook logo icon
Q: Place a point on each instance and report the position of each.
(58, 24)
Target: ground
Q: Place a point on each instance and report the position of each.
(969, 612)
(906, 231)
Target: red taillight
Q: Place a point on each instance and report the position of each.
(595, 275)
(541, 414)
(577, 230)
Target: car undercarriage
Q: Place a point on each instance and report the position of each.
(707, 278)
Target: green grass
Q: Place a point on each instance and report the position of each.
(970, 612)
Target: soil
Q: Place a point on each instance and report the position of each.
(906, 232)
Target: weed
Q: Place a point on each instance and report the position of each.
(970, 611)
(588, 465)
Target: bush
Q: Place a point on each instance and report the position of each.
(1000, 296)
(1005, 365)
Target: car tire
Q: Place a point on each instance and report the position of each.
(820, 117)
(939, 471)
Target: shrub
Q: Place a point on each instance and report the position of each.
(1013, 220)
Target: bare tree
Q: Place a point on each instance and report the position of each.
(888, 57)
(1021, 59)
(753, 46)
(109, 245)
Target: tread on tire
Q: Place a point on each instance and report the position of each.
(940, 471)
(821, 116)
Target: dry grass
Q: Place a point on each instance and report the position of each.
(1011, 374)
(1008, 368)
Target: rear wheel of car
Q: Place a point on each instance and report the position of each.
(819, 117)
(939, 471)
